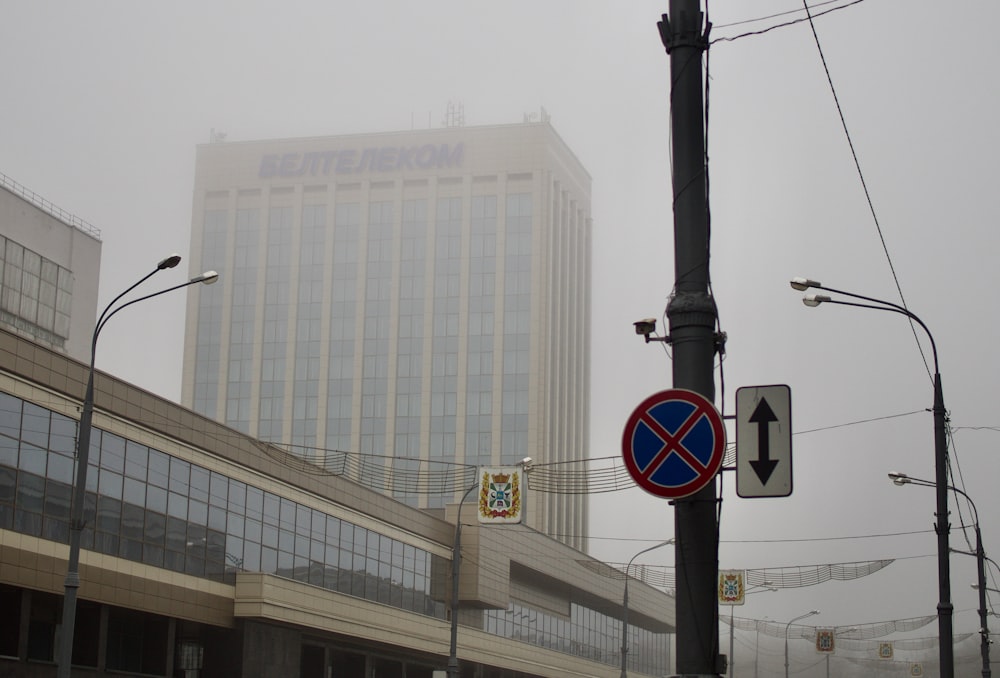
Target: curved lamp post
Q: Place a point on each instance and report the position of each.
(810, 613)
(83, 455)
(944, 607)
(980, 555)
(456, 568)
(766, 587)
(625, 604)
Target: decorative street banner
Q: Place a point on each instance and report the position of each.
(500, 499)
(885, 650)
(825, 641)
(731, 588)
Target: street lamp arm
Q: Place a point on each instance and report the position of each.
(886, 306)
(882, 302)
(645, 550)
(206, 278)
(803, 284)
(169, 262)
(876, 304)
(904, 479)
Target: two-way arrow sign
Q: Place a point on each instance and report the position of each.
(764, 441)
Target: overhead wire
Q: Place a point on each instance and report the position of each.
(782, 25)
(952, 460)
(861, 175)
(414, 476)
(953, 464)
(775, 15)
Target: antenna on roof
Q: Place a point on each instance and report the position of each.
(454, 115)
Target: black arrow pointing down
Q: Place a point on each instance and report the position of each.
(763, 466)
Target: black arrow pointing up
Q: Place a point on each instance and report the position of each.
(763, 466)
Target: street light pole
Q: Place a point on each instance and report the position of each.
(756, 650)
(456, 569)
(980, 555)
(72, 583)
(625, 604)
(787, 626)
(835, 634)
(765, 587)
(945, 609)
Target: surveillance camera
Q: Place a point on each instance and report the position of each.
(645, 327)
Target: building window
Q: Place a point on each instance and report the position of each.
(146, 506)
(137, 642)
(35, 293)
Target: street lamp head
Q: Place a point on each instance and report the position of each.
(169, 262)
(802, 284)
(813, 300)
(899, 478)
(526, 464)
(207, 278)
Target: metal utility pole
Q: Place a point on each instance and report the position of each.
(692, 316)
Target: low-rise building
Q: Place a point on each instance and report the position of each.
(209, 553)
(49, 265)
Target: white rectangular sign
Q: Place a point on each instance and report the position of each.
(764, 441)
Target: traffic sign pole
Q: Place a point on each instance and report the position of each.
(692, 318)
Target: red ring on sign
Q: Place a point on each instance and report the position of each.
(673, 443)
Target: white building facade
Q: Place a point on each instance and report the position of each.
(50, 263)
(421, 299)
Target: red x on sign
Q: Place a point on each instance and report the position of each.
(674, 443)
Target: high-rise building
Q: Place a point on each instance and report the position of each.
(419, 298)
(49, 264)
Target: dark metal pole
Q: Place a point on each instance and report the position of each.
(945, 608)
(456, 568)
(625, 626)
(984, 628)
(692, 318)
(72, 583)
(77, 522)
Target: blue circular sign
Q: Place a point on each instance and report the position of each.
(674, 443)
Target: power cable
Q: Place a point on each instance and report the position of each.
(861, 177)
(783, 25)
(776, 15)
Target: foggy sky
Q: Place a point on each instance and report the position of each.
(104, 103)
